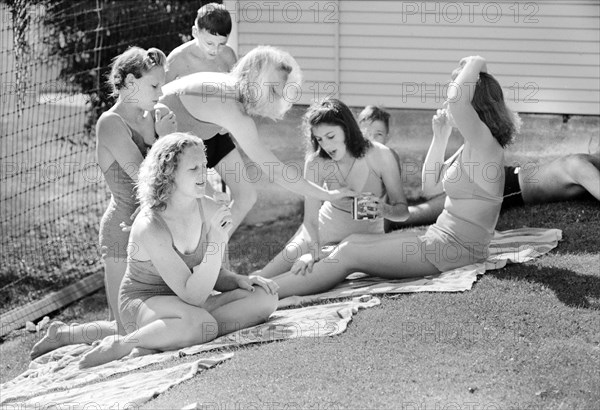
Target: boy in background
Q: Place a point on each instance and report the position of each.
(208, 50)
(374, 122)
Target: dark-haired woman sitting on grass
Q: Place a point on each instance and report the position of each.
(341, 157)
(473, 185)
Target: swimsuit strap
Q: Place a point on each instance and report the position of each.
(202, 233)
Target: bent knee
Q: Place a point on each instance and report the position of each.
(264, 303)
(579, 166)
(203, 326)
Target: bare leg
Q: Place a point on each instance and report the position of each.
(425, 213)
(243, 194)
(283, 261)
(241, 309)
(165, 323)
(563, 179)
(60, 334)
(395, 255)
(114, 270)
(168, 323)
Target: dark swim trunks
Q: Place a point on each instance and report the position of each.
(217, 148)
(512, 189)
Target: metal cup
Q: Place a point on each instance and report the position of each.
(360, 209)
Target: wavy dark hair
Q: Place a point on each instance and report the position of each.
(157, 172)
(488, 102)
(332, 111)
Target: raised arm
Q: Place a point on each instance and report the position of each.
(460, 96)
(397, 209)
(434, 165)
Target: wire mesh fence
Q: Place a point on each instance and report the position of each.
(54, 56)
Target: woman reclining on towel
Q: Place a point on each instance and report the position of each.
(340, 157)
(473, 185)
(166, 298)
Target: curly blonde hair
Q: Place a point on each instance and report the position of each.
(251, 71)
(157, 172)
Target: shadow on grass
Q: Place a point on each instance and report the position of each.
(579, 221)
(571, 288)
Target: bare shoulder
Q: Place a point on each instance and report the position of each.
(229, 56)
(379, 152)
(109, 117)
(147, 229)
(177, 61)
(110, 125)
(314, 160)
(382, 158)
(178, 52)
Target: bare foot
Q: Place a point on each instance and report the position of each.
(141, 351)
(108, 349)
(56, 336)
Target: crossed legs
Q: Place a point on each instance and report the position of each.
(168, 323)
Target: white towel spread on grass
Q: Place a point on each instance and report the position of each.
(128, 392)
(58, 370)
(84, 388)
(513, 246)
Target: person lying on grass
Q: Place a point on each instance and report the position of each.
(340, 156)
(573, 176)
(462, 233)
(569, 177)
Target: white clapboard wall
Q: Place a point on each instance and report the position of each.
(546, 54)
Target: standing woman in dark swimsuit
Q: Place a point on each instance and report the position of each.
(123, 135)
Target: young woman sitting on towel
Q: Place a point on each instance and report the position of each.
(473, 185)
(166, 299)
(340, 157)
